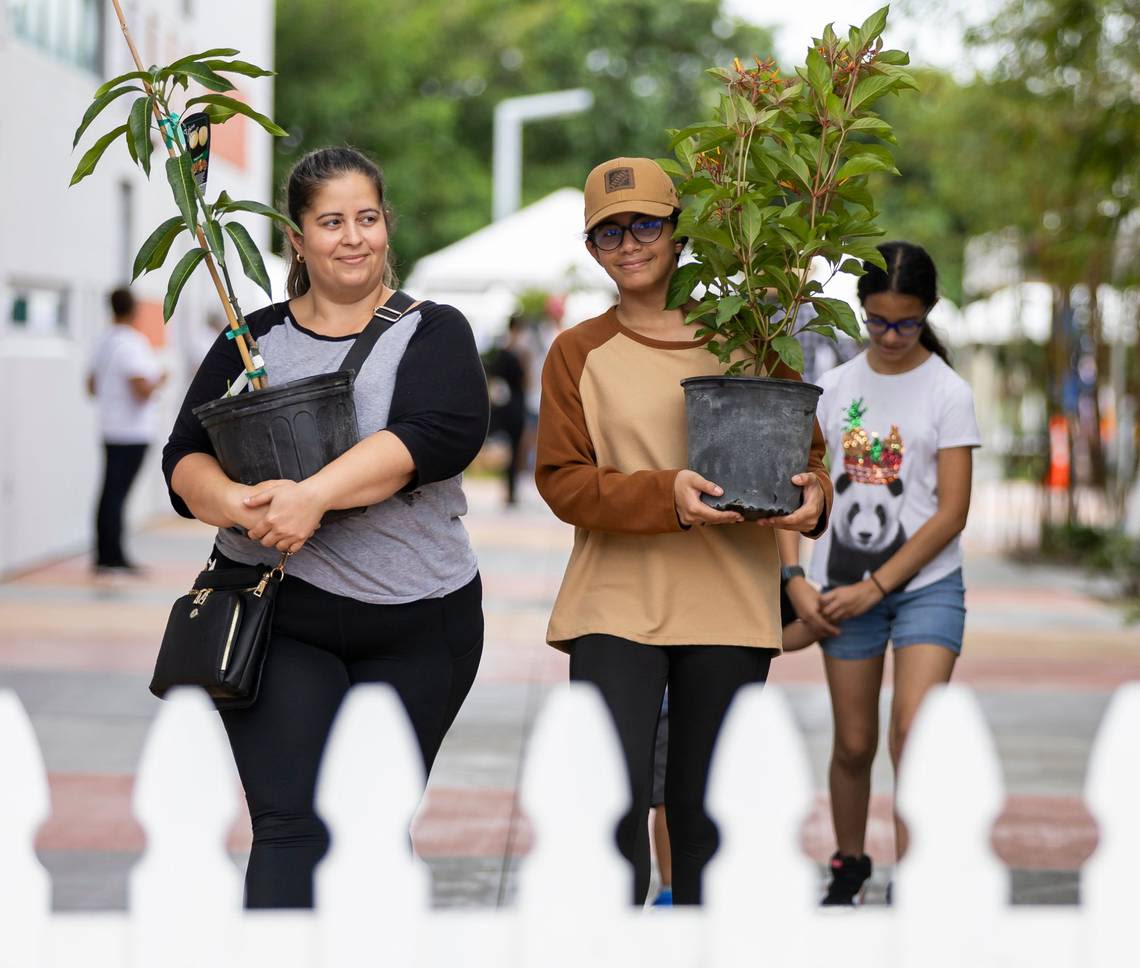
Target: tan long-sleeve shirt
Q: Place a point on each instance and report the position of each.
(611, 440)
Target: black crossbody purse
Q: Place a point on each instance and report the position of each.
(217, 635)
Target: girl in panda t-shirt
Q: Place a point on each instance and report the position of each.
(900, 430)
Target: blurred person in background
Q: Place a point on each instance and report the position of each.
(541, 338)
(507, 366)
(123, 376)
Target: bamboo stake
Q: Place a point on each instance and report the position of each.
(257, 382)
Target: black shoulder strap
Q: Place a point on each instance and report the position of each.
(383, 318)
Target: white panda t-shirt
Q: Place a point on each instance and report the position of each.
(883, 435)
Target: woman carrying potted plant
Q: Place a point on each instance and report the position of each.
(392, 595)
(660, 590)
(901, 429)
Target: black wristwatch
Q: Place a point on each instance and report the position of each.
(788, 572)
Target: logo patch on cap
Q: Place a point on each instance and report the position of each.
(619, 179)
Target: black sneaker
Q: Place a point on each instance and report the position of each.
(848, 875)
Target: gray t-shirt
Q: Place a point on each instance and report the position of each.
(424, 383)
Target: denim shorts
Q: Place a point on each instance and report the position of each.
(934, 614)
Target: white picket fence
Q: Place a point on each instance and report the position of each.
(951, 892)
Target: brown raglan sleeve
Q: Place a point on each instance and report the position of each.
(566, 468)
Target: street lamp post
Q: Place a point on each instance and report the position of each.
(510, 115)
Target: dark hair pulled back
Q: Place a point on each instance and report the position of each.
(307, 177)
(910, 272)
(122, 303)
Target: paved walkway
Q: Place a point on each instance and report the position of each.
(1042, 651)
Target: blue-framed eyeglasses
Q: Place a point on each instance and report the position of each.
(877, 326)
(609, 235)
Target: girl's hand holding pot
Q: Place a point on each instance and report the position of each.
(847, 601)
(806, 516)
(292, 514)
(687, 490)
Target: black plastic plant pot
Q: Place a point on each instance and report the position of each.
(284, 433)
(750, 435)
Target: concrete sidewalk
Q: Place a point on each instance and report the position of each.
(1042, 652)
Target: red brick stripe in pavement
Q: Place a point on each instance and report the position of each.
(92, 813)
(990, 673)
(84, 652)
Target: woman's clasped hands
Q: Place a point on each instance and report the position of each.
(281, 514)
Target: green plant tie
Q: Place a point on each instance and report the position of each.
(170, 129)
(254, 374)
(235, 333)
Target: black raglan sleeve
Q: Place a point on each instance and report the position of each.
(219, 368)
(439, 404)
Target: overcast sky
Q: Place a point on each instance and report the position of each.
(935, 40)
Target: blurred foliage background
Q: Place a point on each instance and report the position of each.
(1047, 142)
(416, 86)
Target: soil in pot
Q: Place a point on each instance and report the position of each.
(750, 435)
(284, 433)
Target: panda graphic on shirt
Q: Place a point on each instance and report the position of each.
(866, 524)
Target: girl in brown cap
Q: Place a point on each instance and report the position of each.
(660, 590)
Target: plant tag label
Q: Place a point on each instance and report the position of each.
(196, 130)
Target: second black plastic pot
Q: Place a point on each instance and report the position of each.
(750, 435)
(284, 433)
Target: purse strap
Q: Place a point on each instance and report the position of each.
(383, 319)
(276, 572)
(244, 576)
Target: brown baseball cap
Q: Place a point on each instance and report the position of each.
(628, 185)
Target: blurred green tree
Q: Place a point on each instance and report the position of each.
(416, 86)
(1078, 63)
(1073, 66)
(1047, 143)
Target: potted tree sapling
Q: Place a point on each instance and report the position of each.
(775, 181)
(289, 431)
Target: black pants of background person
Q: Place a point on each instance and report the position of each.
(322, 644)
(702, 681)
(121, 463)
(514, 465)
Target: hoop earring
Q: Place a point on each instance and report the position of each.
(300, 258)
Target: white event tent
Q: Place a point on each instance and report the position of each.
(539, 247)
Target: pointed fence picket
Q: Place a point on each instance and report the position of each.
(950, 793)
(25, 890)
(1112, 790)
(185, 894)
(575, 886)
(373, 905)
(760, 792)
(370, 784)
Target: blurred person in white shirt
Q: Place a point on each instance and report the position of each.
(123, 376)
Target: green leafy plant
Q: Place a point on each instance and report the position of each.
(776, 179)
(155, 90)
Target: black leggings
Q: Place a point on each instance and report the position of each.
(702, 681)
(322, 644)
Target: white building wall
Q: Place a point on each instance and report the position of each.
(79, 241)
